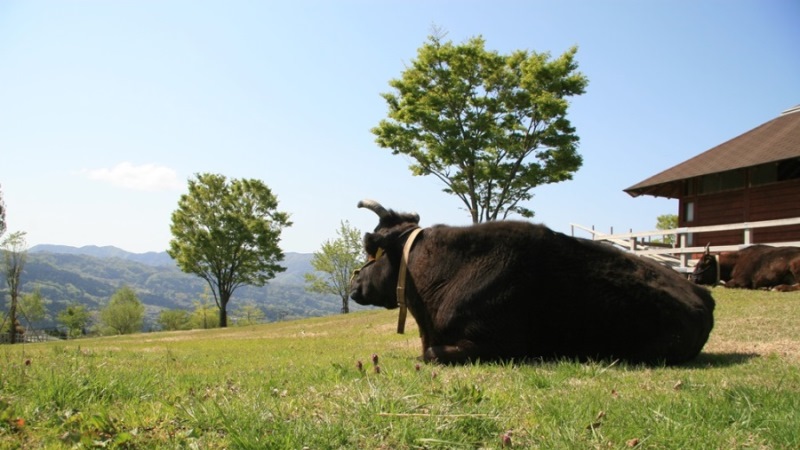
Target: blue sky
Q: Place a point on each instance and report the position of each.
(107, 108)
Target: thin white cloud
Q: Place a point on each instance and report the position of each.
(145, 177)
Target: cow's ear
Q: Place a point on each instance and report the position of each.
(372, 243)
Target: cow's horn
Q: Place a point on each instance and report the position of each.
(374, 206)
(708, 248)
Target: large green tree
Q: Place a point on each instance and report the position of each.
(15, 254)
(334, 264)
(491, 127)
(227, 233)
(124, 313)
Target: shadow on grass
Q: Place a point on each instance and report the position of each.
(704, 360)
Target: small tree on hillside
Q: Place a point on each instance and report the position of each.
(174, 319)
(491, 127)
(124, 313)
(227, 233)
(249, 314)
(15, 253)
(33, 306)
(334, 264)
(204, 315)
(75, 318)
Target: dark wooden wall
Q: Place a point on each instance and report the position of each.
(779, 200)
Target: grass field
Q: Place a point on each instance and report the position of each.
(296, 385)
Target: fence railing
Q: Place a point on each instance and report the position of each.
(678, 256)
(28, 337)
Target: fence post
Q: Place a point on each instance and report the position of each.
(684, 255)
(748, 236)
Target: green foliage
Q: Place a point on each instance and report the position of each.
(296, 384)
(124, 313)
(248, 315)
(174, 319)
(667, 222)
(65, 279)
(334, 264)
(204, 315)
(15, 253)
(491, 127)
(33, 306)
(75, 318)
(227, 233)
(2, 214)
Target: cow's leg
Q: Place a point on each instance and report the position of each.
(461, 353)
(737, 284)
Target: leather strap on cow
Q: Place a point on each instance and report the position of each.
(401, 281)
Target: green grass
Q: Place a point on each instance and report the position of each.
(295, 385)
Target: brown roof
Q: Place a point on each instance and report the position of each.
(775, 140)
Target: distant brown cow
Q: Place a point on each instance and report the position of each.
(754, 267)
(516, 290)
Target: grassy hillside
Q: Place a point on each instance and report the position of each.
(91, 275)
(296, 385)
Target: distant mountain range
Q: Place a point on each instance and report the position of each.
(297, 264)
(90, 275)
(108, 251)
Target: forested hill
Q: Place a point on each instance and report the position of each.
(149, 258)
(90, 276)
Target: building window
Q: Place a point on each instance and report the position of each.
(788, 169)
(724, 181)
(733, 179)
(688, 212)
(688, 187)
(709, 184)
(763, 174)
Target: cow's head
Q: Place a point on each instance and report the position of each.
(376, 282)
(706, 271)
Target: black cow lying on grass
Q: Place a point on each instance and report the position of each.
(515, 290)
(754, 267)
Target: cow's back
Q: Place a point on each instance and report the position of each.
(762, 266)
(530, 291)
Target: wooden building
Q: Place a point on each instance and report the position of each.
(752, 177)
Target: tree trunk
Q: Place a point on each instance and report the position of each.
(12, 318)
(345, 305)
(224, 297)
(223, 317)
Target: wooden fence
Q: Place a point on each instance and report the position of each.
(28, 337)
(680, 256)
